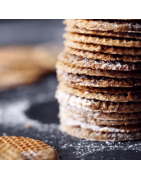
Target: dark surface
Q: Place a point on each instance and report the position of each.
(41, 111)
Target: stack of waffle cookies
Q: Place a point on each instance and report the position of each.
(99, 73)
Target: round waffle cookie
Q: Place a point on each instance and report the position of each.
(8, 152)
(31, 149)
(64, 114)
(98, 64)
(101, 56)
(126, 35)
(100, 115)
(102, 40)
(97, 72)
(101, 128)
(88, 134)
(103, 49)
(110, 90)
(96, 105)
(86, 92)
(91, 81)
(105, 25)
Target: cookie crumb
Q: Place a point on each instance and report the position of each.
(28, 126)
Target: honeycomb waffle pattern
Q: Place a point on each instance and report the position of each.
(8, 152)
(30, 148)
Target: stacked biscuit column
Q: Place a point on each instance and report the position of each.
(99, 75)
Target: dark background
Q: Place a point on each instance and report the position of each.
(30, 31)
(41, 108)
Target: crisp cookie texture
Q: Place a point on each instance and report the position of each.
(91, 81)
(31, 148)
(100, 115)
(97, 72)
(102, 25)
(95, 105)
(101, 128)
(103, 49)
(73, 29)
(86, 92)
(64, 114)
(98, 64)
(99, 136)
(102, 40)
(109, 90)
(101, 56)
(8, 152)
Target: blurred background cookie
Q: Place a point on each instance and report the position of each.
(25, 64)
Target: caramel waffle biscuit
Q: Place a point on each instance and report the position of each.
(98, 64)
(8, 152)
(96, 105)
(101, 128)
(97, 72)
(105, 25)
(31, 148)
(88, 39)
(73, 29)
(109, 90)
(101, 56)
(99, 136)
(100, 115)
(79, 117)
(103, 49)
(91, 81)
(86, 92)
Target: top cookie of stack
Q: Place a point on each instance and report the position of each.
(100, 79)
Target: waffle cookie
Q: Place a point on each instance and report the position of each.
(105, 25)
(75, 60)
(96, 105)
(22, 65)
(8, 152)
(93, 81)
(30, 149)
(88, 134)
(103, 49)
(12, 78)
(86, 92)
(100, 80)
(102, 40)
(102, 56)
(95, 121)
(97, 72)
(74, 29)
